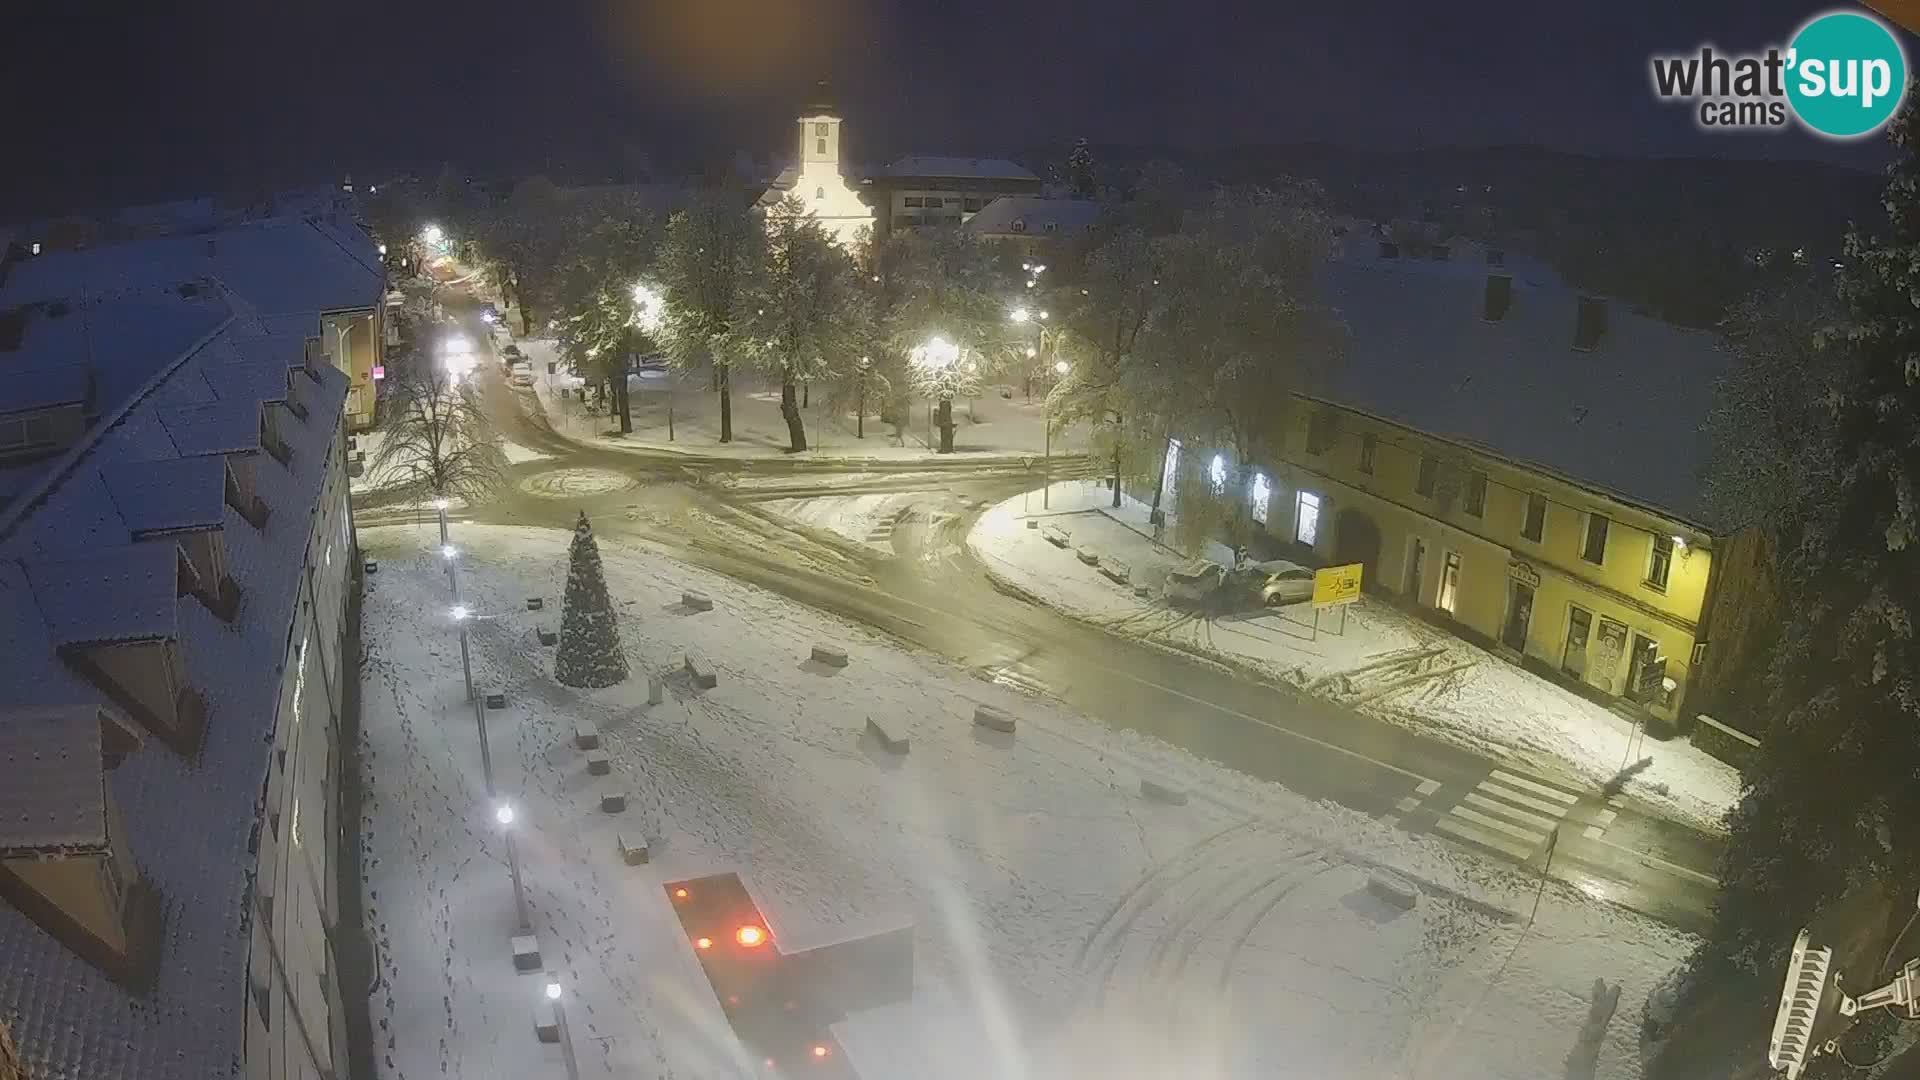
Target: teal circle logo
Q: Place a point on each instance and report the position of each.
(1846, 75)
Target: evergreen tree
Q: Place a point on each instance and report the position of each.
(1080, 171)
(590, 653)
(1833, 804)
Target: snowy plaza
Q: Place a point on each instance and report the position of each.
(1064, 921)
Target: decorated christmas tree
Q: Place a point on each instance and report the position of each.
(589, 637)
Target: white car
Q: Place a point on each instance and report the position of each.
(1194, 582)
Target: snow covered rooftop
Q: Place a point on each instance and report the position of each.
(957, 168)
(1623, 416)
(43, 383)
(279, 265)
(73, 570)
(1014, 215)
(55, 798)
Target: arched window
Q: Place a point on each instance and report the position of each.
(819, 193)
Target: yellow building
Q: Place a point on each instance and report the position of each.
(1516, 460)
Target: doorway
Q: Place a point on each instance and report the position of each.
(1416, 569)
(1645, 654)
(1573, 659)
(1519, 616)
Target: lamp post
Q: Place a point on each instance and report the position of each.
(939, 361)
(1060, 369)
(860, 411)
(560, 1019)
(503, 813)
(448, 552)
(460, 615)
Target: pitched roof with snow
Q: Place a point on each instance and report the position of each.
(78, 564)
(55, 797)
(918, 166)
(1623, 417)
(1023, 215)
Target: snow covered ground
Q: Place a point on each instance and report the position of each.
(863, 519)
(989, 426)
(1064, 925)
(1476, 700)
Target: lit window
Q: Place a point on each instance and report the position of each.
(1306, 518)
(1262, 493)
(1217, 474)
(1660, 562)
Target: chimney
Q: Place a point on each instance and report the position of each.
(1499, 297)
(1590, 322)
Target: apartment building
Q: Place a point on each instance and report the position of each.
(1514, 458)
(176, 560)
(919, 190)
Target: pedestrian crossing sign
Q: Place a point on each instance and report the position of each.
(1336, 585)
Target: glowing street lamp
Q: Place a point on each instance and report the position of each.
(1020, 315)
(647, 307)
(936, 359)
(461, 613)
(566, 1040)
(503, 813)
(1061, 367)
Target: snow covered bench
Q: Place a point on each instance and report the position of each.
(549, 637)
(535, 603)
(1115, 571)
(696, 601)
(1393, 889)
(526, 953)
(884, 734)
(1155, 791)
(598, 763)
(700, 670)
(585, 735)
(496, 701)
(1056, 536)
(1087, 555)
(830, 655)
(992, 719)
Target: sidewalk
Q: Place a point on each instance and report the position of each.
(990, 428)
(1374, 657)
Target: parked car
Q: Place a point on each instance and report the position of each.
(522, 379)
(1194, 582)
(1285, 583)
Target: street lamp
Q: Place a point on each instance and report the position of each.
(503, 813)
(566, 1040)
(647, 307)
(937, 359)
(1020, 314)
(1060, 369)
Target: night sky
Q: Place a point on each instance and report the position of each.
(221, 94)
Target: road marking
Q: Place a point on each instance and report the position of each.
(1494, 823)
(1407, 804)
(1655, 860)
(1427, 787)
(1522, 816)
(1536, 786)
(1605, 817)
(1464, 831)
(1520, 798)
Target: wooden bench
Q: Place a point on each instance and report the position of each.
(1056, 536)
(830, 655)
(1087, 555)
(1115, 571)
(701, 672)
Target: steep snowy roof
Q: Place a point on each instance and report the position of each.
(55, 797)
(958, 168)
(1624, 416)
(279, 265)
(42, 383)
(171, 493)
(111, 344)
(1034, 214)
(70, 569)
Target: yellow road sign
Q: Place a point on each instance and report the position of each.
(1336, 585)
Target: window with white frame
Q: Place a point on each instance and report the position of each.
(1262, 492)
(1306, 518)
(1659, 562)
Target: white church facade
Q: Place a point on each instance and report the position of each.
(818, 181)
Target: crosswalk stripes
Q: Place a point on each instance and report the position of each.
(1407, 804)
(1600, 822)
(1012, 677)
(1508, 813)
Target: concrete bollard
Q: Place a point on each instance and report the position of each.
(888, 741)
(1155, 791)
(830, 655)
(633, 852)
(993, 719)
(535, 603)
(585, 735)
(496, 701)
(696, 601)
(1393, 889)
(546, 1022)
(598, 763)
(656, 689)
(613, 802)
(526, 953)
(1033, 523)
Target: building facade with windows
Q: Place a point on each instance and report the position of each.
(176, 566)
(817, 180)
(1517, 460)
(920, 191)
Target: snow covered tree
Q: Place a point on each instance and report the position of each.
(703, 265)
(590, 653)
(1080, 179)
(436, 440)
(1832, 805)
(800, 314)
(950, 319)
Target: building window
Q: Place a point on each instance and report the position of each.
(1594, 550)
(1429, 475)
(1262, 495)
(970, 205)
(1660, 562)
(1699, 653)
(1217, 474)
(1476, 494)
(820, 147)
(1449, 582)
(914, 201)
(1018, 226)
(1535, 524)
(819, 193)
(1051, 227)
(820, 128)
(26, 431)
(1319, 432)
(1306, 518)
(1368, 444)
